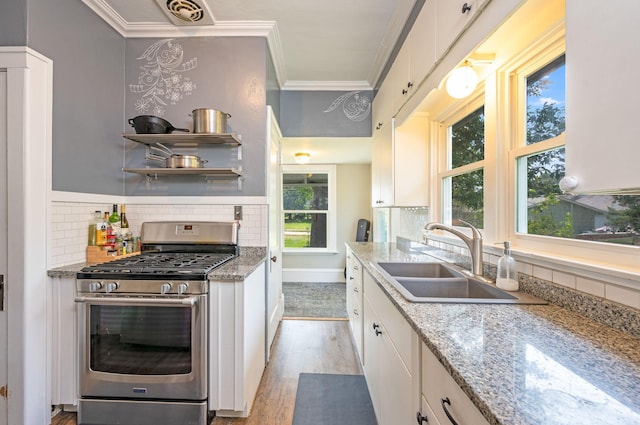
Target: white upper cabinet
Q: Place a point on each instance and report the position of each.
(423, 43)
(400, 75)
(452, 16)
(602, 138)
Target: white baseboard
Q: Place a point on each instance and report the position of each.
(313, 275)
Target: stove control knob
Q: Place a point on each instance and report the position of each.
(110, 287)
(182, 288)
(95, 286)
(165, 287)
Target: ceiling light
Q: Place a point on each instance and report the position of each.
(303, 157)
(462, 81)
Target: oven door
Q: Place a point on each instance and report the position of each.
(145, 348)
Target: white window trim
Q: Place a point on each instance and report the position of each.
(444, 122)
(332, 225)
(503, 127)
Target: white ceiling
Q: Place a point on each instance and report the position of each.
(316, 45)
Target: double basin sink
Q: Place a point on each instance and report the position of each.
(442, 283)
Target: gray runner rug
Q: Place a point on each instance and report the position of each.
(328, 399)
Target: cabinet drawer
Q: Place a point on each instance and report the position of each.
(398, 328)
(438, 385)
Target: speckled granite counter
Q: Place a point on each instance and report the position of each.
(249, 259)
(541, 365)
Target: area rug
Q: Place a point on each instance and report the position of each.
(328, 399)
(314, 300)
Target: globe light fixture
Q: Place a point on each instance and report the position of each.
(462, 81)
(302, 157)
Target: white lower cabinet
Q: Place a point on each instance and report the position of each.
(237, 338)
(442, 397)
(390, 354)
(354, 299)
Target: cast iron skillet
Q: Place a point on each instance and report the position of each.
(150, 124)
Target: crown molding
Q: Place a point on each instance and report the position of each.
(327, 86)
(266, 29)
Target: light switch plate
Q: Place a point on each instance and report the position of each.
(237, 212)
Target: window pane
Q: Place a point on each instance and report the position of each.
(305, 191)
(467, 139)
(602, 218)
(305, 230)
(546, 102)
(467, 198)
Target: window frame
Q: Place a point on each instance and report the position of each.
(330, 171)
(505, 126)
(445, 172)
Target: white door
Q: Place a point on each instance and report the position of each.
(3, 248)
(275, 298)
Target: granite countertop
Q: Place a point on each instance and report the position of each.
(239, 268)
(520, 364)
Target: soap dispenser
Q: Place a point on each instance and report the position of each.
(507, 277)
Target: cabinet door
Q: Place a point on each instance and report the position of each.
(400, 77)
(381, 166)
(429, 418)
(423, 44)
(371, 355)
(438, 385)
(411, 163)
(602, 146)
(451, 21)
(396, 402)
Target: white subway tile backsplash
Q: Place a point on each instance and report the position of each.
(564, 279)
(590, 286)
(70, 223)
(543, 273)
(622, 295)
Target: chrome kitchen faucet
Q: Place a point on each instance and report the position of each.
(474, 243)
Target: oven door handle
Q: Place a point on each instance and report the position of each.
(138, 300)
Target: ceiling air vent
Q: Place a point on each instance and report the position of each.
(186, 12)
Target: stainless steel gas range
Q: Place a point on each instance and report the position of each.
(142, 325)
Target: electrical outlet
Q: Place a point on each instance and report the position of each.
(237, 212)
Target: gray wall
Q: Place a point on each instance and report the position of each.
(88, 98)
(273, 88)
(13, 23)
(325, 113)
(227, 74)
(354, 203)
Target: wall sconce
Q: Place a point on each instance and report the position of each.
(302, 157)
(462, 81)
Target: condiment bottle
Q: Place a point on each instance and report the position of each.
(91, 241)
(101, 230)
(507, 277)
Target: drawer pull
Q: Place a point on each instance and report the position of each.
(421, 418)
(355, 290)
(446, 412)
(466, 8)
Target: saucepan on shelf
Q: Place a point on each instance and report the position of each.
(150, 124)
(184, 161)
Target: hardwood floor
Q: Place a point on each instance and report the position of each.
(310, 346)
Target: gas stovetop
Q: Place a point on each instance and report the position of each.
(164, 265)
(173, 250)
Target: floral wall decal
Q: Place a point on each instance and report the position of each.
(355, 106)
(161, 80)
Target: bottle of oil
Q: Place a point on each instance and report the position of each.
(92, 228)
(124, 223)
(101, 229)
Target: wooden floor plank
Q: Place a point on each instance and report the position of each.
(301, 346)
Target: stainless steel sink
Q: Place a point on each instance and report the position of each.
(440, 283)
(431, 270)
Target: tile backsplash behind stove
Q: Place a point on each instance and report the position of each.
(70, 222)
